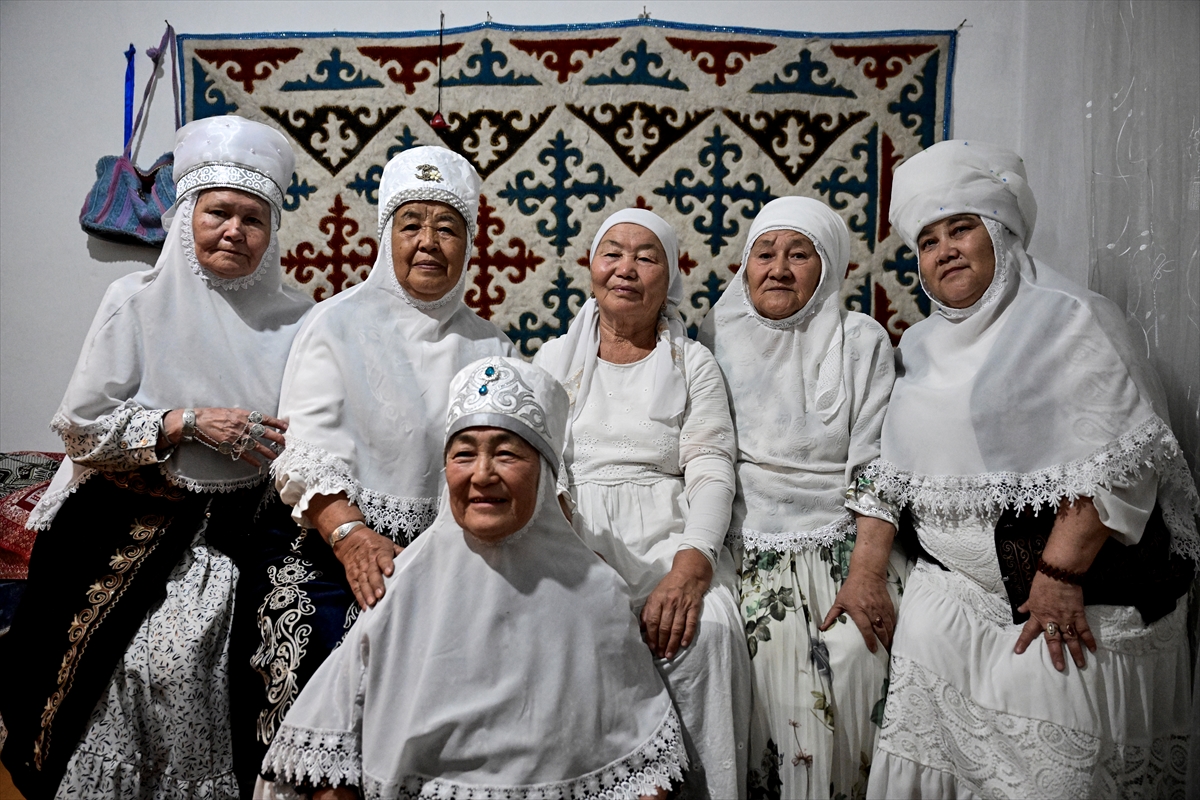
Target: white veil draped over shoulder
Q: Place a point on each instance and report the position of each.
(512, 670)
(1033, 395)
(365, 386)
(178, 336)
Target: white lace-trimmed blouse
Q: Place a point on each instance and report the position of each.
(645, 488)
(365, 396)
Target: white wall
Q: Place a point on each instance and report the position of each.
(1018, 82)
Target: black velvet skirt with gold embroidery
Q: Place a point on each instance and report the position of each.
(93, 577)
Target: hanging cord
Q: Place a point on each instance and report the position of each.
(156, 54)
(439, 122)
(129, 76)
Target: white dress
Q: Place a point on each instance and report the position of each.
(967, 717)
(636, 482)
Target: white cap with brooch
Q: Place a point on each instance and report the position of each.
(430, 173)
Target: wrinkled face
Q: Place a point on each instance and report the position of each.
(782, 272)
(630, 274)
(429, 247)
(492, 476)
(957, 259)
(232, 231)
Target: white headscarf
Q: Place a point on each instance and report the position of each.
(179, 336)
(507, 670)
(807, 392)
(1033, 394)
(572, 357)
(365, 386)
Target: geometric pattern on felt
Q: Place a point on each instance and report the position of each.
(567, 124)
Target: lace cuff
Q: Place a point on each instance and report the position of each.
(122, 440)
(307, 757)
(862, 498)
(658, 762)
(304, 470)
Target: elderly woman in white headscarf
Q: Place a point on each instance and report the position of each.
(121, 645)
(1040, 650)
(365, 396)
(808, 383)
(649, 465)
(504, 660)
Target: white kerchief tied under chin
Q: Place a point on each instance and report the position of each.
(514, 395)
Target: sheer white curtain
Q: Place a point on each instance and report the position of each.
(1143, 131)
(1143, 140)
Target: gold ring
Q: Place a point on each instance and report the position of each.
(1052, 629)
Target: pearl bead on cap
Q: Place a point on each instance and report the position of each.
(962, 177)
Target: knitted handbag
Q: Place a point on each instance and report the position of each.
(126, 203)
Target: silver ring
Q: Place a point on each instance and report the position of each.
(879, 622)
(255, 417)
(257, 430)
(225, 448)
(1052, 629)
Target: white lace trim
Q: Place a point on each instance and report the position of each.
(658, 762)
(999, 278)
(426, 306)
(230, 175)
(933, 724)
(315, 757)
(187, 208)
(125, 438)
(43, 514)
(793, 541)
(433, 194)
(400, 518)
(1150, 445)
(201, 485)
(810, 307)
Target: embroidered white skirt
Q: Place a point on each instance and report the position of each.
(161, 728)
(966, 717)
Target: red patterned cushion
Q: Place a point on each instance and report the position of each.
(24, 476)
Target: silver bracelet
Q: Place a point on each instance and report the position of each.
(344, 530)
(189, 424)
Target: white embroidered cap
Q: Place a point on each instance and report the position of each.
(514, 395)
(430, 173)
(235, 153)
(962, 177)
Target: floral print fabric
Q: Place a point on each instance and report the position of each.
(818, 696)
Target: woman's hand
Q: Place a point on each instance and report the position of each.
(219, 425)
(1056, 607)
(1060, 603)
(672, 611)
(864, 595)
(366, 556)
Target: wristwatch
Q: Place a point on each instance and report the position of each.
(344, 530)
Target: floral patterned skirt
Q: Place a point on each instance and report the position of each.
(818, 696)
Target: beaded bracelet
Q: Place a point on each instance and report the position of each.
(1058, 574)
